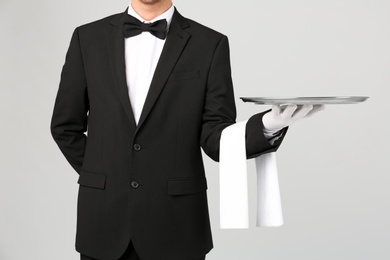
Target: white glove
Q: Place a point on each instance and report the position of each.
(283, 116)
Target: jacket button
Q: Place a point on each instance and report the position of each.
(137, 147)
(134, 184)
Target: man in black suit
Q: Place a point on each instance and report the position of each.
(151, 95)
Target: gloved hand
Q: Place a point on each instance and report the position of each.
(283, 116)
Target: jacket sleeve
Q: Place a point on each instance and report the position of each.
(69, 119)
(220, 110)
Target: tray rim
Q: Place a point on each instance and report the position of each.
(305, 100)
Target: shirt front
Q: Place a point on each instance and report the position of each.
(142, 53)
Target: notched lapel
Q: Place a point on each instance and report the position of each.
(116, 46)
(176, 41)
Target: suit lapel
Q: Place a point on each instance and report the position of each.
(173, 47)
(116, 46)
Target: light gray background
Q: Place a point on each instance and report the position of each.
(333, 168)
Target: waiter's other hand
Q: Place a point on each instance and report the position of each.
(283, 116)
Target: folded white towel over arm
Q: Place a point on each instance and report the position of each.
(234, 211)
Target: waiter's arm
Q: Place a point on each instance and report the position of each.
(69, 119)
(220, 110)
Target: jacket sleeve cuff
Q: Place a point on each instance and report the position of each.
(256, 142)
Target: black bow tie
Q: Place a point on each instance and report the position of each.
(132, 27)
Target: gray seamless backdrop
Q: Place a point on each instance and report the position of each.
(333, 168)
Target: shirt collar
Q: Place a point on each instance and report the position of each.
(166, 15)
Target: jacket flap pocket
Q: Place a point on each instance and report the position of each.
(184, 75)
(90, 179)
(186, 185)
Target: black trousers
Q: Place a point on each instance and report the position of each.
(129, 254)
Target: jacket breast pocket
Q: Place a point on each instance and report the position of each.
(92, 179)
(182, 186)
(184, 75)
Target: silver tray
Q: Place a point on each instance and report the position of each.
(304, 100)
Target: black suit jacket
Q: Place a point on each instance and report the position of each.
(146, 183)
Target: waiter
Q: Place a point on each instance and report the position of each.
(141, 92)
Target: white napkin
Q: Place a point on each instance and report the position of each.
(269, 206)
(234, 183)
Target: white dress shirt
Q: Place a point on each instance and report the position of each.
(142, 53)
